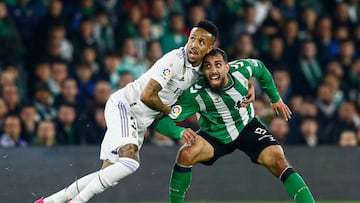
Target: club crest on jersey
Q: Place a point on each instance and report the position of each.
(165, 73)
(238, 103)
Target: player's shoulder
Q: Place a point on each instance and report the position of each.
(198, 87)
(175, 56)
(242, 63)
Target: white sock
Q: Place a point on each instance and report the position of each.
(107, 177)
(71, 191)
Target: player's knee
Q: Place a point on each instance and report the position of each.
(273, 156)
(129, 151)
(185, 156)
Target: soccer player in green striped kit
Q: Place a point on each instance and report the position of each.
(228, 122)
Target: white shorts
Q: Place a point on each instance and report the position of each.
(122, 129)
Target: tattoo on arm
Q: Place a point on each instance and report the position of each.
(150, 96)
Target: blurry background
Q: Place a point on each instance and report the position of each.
(61, 59)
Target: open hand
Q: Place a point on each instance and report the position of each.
(281, 108)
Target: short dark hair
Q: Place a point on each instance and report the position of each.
(210, 27)
(217, 50)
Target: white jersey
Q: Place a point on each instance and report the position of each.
(173, 72)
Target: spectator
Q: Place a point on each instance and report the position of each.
(101, 94)
(11, 46)
(154, 52)
(174, 36)
(42, 74)
(95, 128)
(43, 102)
(84, 75)
(89, 57)
(333, 81)
(283, 83)
(158, 15)
(83, 9)
(352, 86)
(244, 47)
(29, 118)
(280, 129)
(341, 16)
(53, 16)
(3, 112)
(111, 65)
(196, 13)
(11, 136)
(308, 73)
(289, 9)
(356, 38)
(346, 55)
(11, 96)
(14, 74)
(59, 72)
(104, 32)
(27, 14)
(58, 36)
(45, 134)
(128, 27)
(69, 93)
(347, 118)
(247, 24)
(125, 77)
(291, 41)
(274, 57)
(348, 139)
(142, 37)
(130, 60)
(323, 39)
(334, 67)
(308, 23)
(67, 129)
(326, 104)
(309, 131)
(302, 108)
(84, 37)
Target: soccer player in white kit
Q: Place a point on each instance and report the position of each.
(129, 111)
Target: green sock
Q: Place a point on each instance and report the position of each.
(297, 189)
(179, 183)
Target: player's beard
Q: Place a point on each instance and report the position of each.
(217, 88)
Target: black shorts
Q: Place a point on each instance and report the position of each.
(252, 140)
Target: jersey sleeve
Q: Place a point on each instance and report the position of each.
(184, 108)
(262, 74)
(167, 67)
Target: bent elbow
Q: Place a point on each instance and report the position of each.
(145, 98)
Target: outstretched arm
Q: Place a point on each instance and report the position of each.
(150, 97)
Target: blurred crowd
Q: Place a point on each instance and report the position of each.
(61, 59)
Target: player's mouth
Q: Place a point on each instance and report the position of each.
(214, 79)
(193, 53)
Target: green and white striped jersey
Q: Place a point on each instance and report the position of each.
(220, 115)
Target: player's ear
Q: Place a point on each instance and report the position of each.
(227, 67)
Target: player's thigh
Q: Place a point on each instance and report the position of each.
(254, 139)
(201, 150)
(122, 133)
